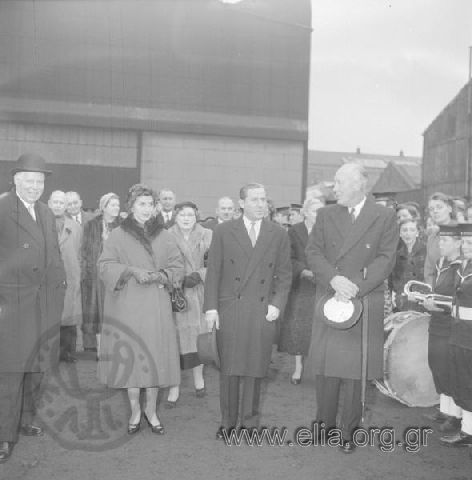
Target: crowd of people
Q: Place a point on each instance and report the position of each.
(255, 274)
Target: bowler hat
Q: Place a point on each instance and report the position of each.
(207, 348)
(338, 314)
(30, 162)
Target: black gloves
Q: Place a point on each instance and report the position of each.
(191, 280)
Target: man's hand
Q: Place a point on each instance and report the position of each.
(272, 313)
(212, 318)
(344, 288)
(431, 306)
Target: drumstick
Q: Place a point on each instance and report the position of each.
(364, 347)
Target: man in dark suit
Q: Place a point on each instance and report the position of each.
(247, 282)
(167, 202)
(74, 209)
(224, 213)
(32, 287)
(354, 236)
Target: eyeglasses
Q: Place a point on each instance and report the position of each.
(186, 215)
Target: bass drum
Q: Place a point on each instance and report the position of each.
(407, 377)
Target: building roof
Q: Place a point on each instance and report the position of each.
(398, 176)
(322, 165)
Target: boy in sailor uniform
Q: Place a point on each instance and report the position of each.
(460, 344)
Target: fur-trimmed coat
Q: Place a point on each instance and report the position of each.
(137, 318)
(192, 322)
(92, 288)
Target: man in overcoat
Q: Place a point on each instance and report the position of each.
(246, 287)
(352, 237)
(32, 286)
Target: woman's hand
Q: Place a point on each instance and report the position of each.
(142, 276)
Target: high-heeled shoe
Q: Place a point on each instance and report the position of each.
(200, 392)
(134, 427)
(171, 403)
(157, 429)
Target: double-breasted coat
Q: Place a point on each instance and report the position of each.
(337, 246)
(69, 244)
(32, 287)
(241, 282)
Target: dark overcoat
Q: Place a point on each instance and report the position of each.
(241, 282)
(295, 334)
(92, 289)
(32, 286)
(338, 247)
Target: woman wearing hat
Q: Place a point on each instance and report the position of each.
(193, 241)
(138, 347)
(96, 231)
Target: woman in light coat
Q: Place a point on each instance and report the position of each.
(193, 241)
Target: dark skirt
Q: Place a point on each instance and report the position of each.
(295, 329)
(438, 361)
(461, 376)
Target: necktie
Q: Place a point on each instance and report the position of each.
(352, 214)
(31, 210)
(252, 234)
(77, 218)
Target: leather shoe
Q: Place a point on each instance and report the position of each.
(157, 429)
(31, 430)
(5, 451)
(220, 433)
(200, 392)
(133, 428)
(348, 446)
(450, 426)
(437, 417)
(460, 439)
(171, 403)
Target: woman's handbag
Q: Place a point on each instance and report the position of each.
(178, 300)
(207, 348)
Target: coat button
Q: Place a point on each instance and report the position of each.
(262, 299)
(237, 279)
(263, 281)
(26, 245)
(239, 297)
(35, 269)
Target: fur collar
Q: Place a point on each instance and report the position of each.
(146, 235)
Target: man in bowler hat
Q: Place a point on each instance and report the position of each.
(32, 287)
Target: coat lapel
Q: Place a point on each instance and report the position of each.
(242, 237)
(342, 220)
(25, 221)
(366, 218)
(263, 241)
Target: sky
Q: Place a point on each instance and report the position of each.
(381, 71)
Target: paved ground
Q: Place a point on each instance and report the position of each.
(86, 438)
